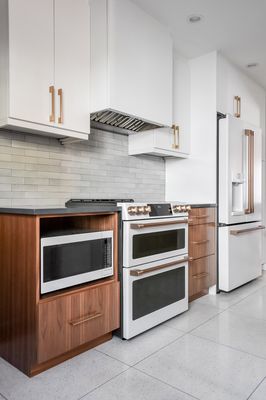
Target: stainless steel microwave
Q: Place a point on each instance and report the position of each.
(73, 259)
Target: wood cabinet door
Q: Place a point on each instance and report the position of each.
(202, 275)
(72, 64)
(31, 67)
(201, 240)
(75, 319)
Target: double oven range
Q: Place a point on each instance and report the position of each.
(153, 261)
(155, 264)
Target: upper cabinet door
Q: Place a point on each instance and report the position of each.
(72, 63)
(238, 95)
(31, 67)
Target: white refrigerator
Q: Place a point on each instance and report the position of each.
(240, 203)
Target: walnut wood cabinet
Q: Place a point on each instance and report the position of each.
(202, 251)
(39, 331)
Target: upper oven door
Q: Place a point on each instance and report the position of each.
(152, 240)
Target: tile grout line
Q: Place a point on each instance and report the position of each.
(154, 352)
(101, 384)
(226, 345)
(167, 384)
(255, 389)
(4, 397)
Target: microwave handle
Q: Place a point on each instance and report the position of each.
(155, 224)
(139, 272)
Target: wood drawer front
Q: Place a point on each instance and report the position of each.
(199, 216)
(70, 321)
(202, 275)
(201, 242)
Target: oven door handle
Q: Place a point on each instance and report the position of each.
(139, 272)
(155, 224)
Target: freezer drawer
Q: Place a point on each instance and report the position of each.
(240, 254)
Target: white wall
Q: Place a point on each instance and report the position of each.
(193, 180)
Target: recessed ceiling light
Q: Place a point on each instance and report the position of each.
(194, 18)
(252, 65)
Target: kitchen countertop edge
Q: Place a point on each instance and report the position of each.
(59, 211)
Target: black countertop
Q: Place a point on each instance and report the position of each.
(74, 210)
(63, 210)
(203, 205)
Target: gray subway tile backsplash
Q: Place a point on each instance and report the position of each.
(39, 171)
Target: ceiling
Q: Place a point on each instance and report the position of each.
(236, 28)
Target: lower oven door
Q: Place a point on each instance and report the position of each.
(147, 241)
(153, 293)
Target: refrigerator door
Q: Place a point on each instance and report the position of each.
(240, 165)
(240, 254)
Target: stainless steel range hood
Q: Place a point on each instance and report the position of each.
(117, 122)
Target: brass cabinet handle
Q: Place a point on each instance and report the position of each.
(155, 224)
(52, 115)
(241, 231)
(60, 94)
(238, 106)
(175, 145)
(86, 319)
(250, 134)
(201, 241)
(201, 275)
(201, 216)
(139, 272)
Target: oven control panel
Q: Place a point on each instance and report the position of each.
(153, 210)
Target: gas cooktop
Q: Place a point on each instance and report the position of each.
(137, 210)
(100, 202)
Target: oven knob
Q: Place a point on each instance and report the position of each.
(132, 210)
(178, 209)
(188, 208)
(184, 208)
(140, 210)
(147, 209)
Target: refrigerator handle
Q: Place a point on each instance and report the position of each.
(250, 179)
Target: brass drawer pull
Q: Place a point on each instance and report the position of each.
(202, 216)
(241, 231)
(175, 145)
(201, 241)
(238, 106)
(60, 94)
(52, 115)
(201, 275)
(155, 224)
(139, 272)
(86, 319)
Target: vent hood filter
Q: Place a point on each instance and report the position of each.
(117, 122)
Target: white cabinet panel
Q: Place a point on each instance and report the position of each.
(232, 82)
(31, 68)
(167, 142)
(181, 102)
(72, 46)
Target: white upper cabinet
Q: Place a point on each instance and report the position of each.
(131, 62)
(45, 67)
(31, 69)
(72, 63)
(173, 141)
(237, 94)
